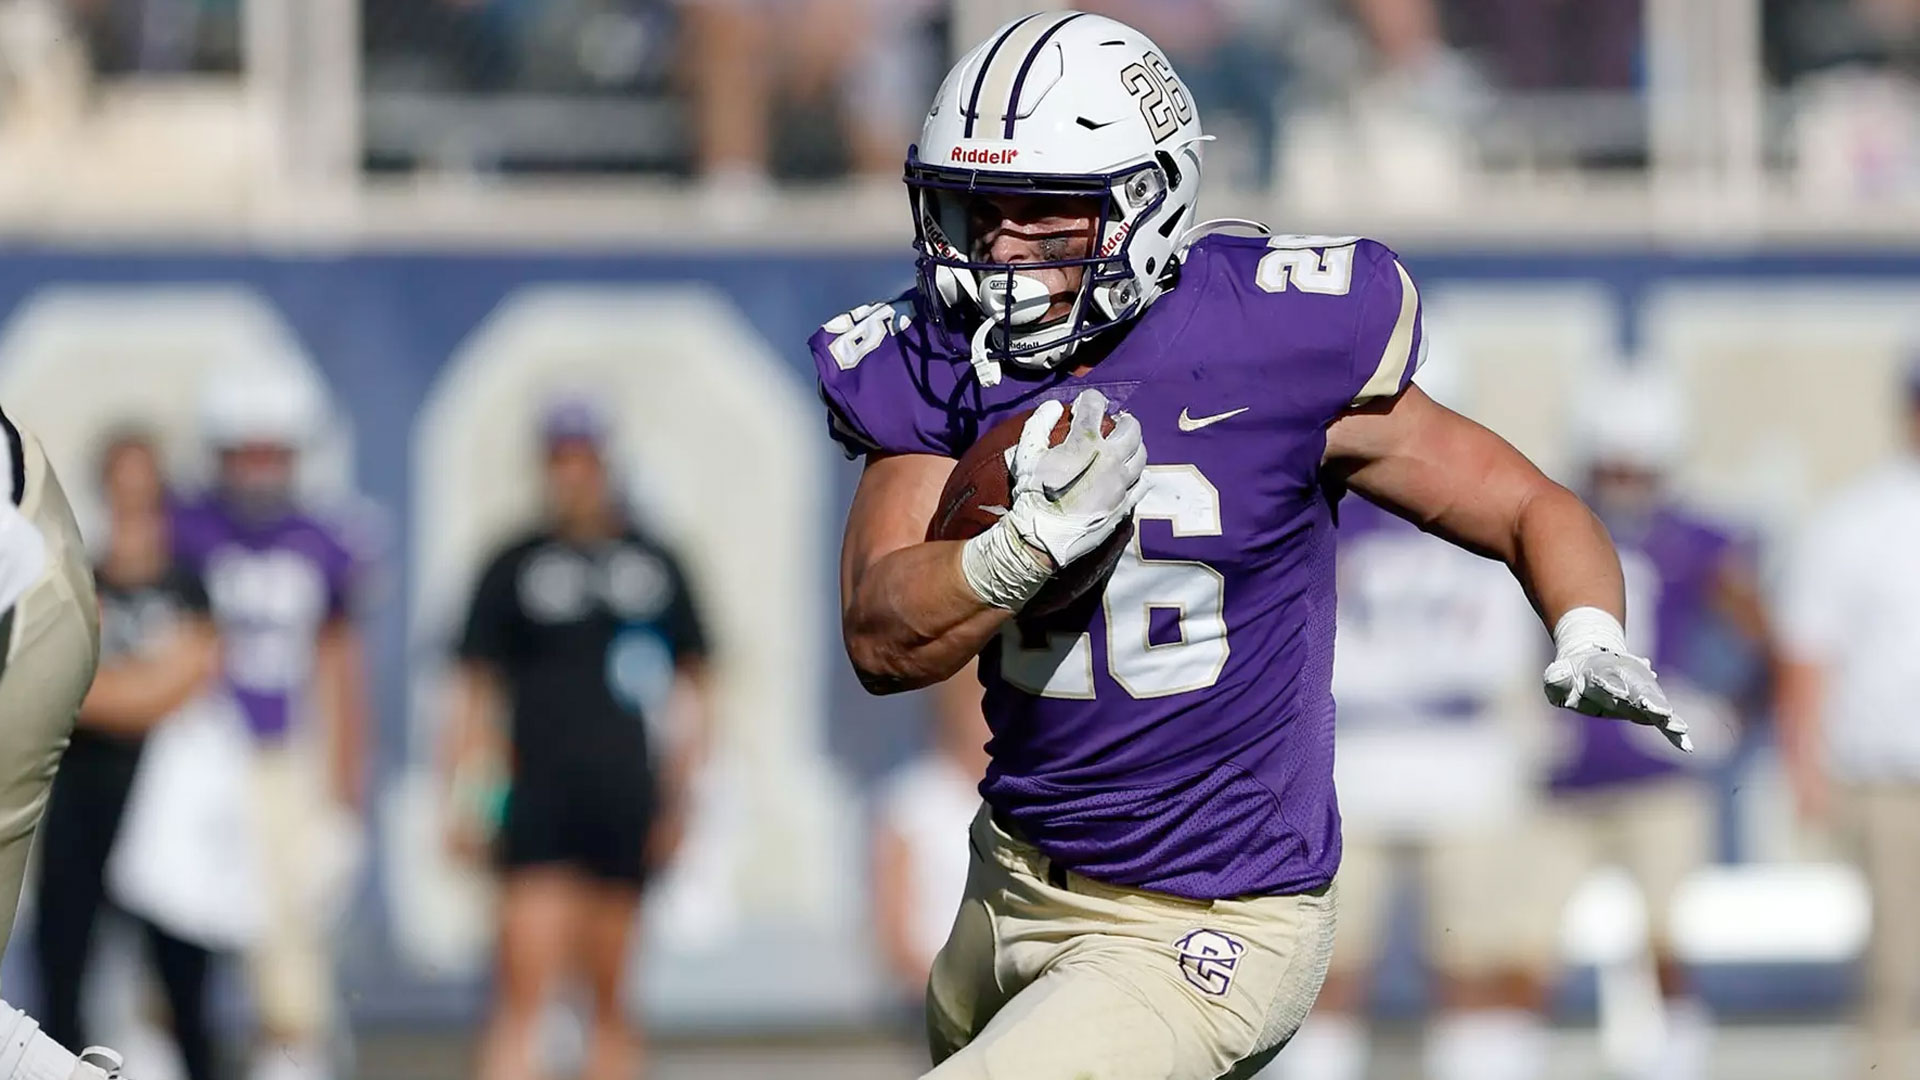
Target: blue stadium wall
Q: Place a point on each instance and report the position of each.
(381, 326)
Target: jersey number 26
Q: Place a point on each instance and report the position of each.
(1193, 592)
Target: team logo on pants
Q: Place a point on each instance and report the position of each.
(1207, 959)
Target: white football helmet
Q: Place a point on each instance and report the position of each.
(1057, 103)
(1634, 416)
(239, 406)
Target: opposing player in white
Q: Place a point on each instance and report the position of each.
(49, 646)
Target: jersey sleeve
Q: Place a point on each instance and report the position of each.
(1389, 341)
(193, 536)
(357, 539)
(686, 631)
(883, 382)
(1337, 317)
(488, 635)
(344, 572)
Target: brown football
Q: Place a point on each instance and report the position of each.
(980, 490)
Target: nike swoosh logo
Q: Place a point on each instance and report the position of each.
(1195, 423)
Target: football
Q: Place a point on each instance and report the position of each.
(980, 490)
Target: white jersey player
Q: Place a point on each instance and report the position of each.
(49, 646)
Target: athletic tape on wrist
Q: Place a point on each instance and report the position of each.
(1001, 569)
(1586, 628)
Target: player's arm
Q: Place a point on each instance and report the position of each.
(907, 613)
(340, 682)
(1800, 692)
(131, 695)
(915, 611)
(1456, 479)
(1738, 598)
(1461, 482)
(1814, 624)
(690, 722)
(473, 753)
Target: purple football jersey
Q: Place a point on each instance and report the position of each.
(1177, 735)
(272, 585)
(1672, 561)
(1430, 634)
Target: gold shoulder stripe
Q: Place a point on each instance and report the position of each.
(1392, 367)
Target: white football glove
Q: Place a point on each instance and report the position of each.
(1593, 673)
(1067, 499)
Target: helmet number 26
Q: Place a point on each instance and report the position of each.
(1163, 101)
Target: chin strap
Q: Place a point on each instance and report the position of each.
(1049, 342)
(985, 367)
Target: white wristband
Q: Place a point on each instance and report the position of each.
(1001, 569)
(1586, 628)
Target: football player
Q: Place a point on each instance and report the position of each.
(49, 648)
(1431, 661)
(1616, 796)
(1151, 893)
(281, 583)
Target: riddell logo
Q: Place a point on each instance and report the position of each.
(1113, 242)
(976, 156)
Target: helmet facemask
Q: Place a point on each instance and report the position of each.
(1009, 301)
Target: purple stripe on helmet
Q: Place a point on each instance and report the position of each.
(1020, 80)
(980, 77)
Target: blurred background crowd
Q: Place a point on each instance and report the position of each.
(1424, 99)
(431, 378)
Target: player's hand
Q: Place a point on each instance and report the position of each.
(1068, 499)
(1601, 682)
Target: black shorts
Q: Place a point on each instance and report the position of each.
(593, 816)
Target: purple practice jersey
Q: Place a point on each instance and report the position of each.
(272, 586)
(1673, 562)
(1178, 735)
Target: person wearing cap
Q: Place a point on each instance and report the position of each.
(1849, 730)
(581, 680)
(284, 583)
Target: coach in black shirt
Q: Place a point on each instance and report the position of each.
(584, 637)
